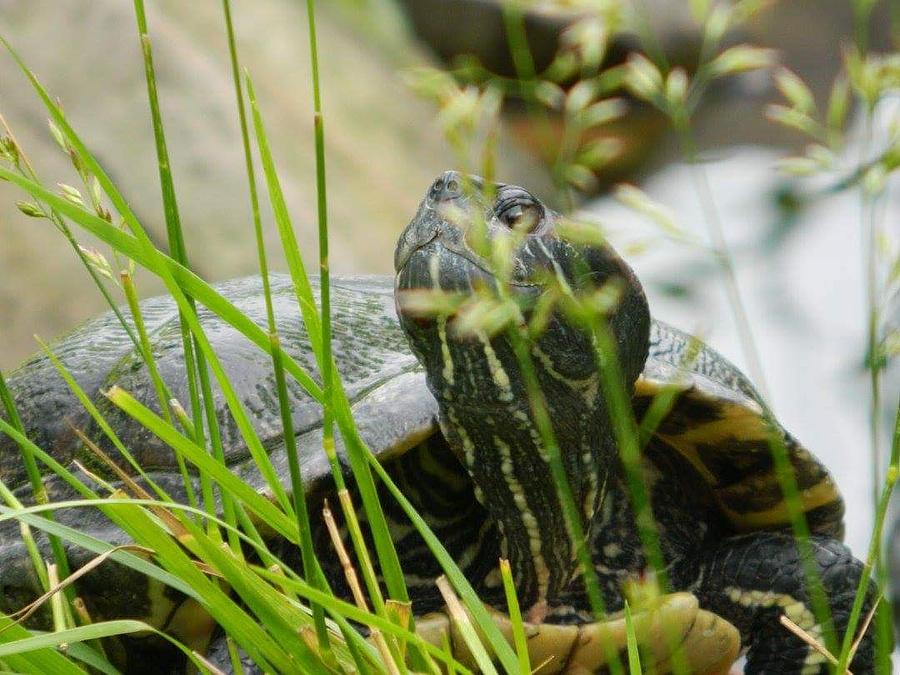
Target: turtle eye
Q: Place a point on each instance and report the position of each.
(520, 215)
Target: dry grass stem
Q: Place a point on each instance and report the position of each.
(29, 609)
(353, 581)
(863, 629)
(178, 530)
(206, 664)
(810, 640)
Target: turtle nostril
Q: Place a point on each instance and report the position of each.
(446, 188)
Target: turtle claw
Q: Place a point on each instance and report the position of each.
(711, 645)
(669, 629)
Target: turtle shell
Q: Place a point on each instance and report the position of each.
(716, 422)
(720, 424)
(381, 377)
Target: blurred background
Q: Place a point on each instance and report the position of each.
(798, 245)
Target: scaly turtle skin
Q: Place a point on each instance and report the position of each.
(453, 426)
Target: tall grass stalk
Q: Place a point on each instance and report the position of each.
(310, 564)
(784, 470)
(862, 10)
(194, 364)
(326, 364)
(312, 321)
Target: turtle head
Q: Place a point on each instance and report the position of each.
(478, 376)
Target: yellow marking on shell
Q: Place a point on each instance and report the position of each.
(822, 493)
(818, 495)
(734, 423)
(498, 373)
(794, 609)
(535, 545)
(689, 452)
(410, 439)
(446, 358)
(740, 421)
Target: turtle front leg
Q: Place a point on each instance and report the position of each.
(753, 579)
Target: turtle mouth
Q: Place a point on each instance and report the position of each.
(433, 254)
(436, 267)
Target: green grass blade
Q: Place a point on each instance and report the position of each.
(874, 552)
(326, 362)
(155, 257)
(266, 511)
(515, 618)
(162, 265)
(384, 547)
(193, 353)
(95, 631)
(464, 625)
(297, 268)
(42, 660)
(634, 658)
(234, 620)
(91, 657)
(193, 359)
(280, 618)
(98, 546)
(310, 564)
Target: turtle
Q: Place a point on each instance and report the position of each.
(446, 413)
